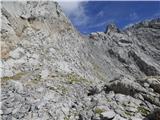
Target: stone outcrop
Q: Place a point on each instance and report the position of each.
(50, 71)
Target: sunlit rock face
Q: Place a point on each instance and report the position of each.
(50, 71)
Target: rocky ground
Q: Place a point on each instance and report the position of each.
(49, 71)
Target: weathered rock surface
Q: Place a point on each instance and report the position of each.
(50, 71)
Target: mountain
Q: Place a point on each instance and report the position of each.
(49, 71)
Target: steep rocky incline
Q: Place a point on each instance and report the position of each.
(51, 72)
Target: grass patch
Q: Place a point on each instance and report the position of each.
(67, 117)
(99, 111)
(17, 76)
(143, 111)
(74, 78)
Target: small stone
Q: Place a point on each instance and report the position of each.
(139, 96)
(7, 111)
(108, 114)
(44, 73)
(151, 90)
(18, 115)
(25, 108)
(17, 109)
(146, 85)
(135, 118)
(131, 109)
(17, 86)
(40, 89)
(17, 53)
(1, 112)
(118, 117)
(96, 117)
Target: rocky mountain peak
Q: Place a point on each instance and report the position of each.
(154, 23)
(111, 28)
(51, 72)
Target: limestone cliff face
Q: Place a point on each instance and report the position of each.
(50, 71)
(36, 34)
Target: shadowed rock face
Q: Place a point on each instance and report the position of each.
(50, 71)
(155, 115)
(149, 70)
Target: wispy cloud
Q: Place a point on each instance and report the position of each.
(128, 25)
(97, 25)
(75, 10)
(100, 14)
(102, 24)
(133, 16)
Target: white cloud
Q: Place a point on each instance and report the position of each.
(75, 10)
(69, 7)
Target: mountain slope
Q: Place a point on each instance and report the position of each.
(50, 71)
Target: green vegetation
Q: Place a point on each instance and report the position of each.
(67, 117)
(128, 113)
(143, 111)
(73, 78)
(99, 111)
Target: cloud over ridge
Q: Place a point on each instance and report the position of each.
(75, 10)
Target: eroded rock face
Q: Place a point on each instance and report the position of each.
(50, 71)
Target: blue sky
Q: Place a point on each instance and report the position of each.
(93, 16)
